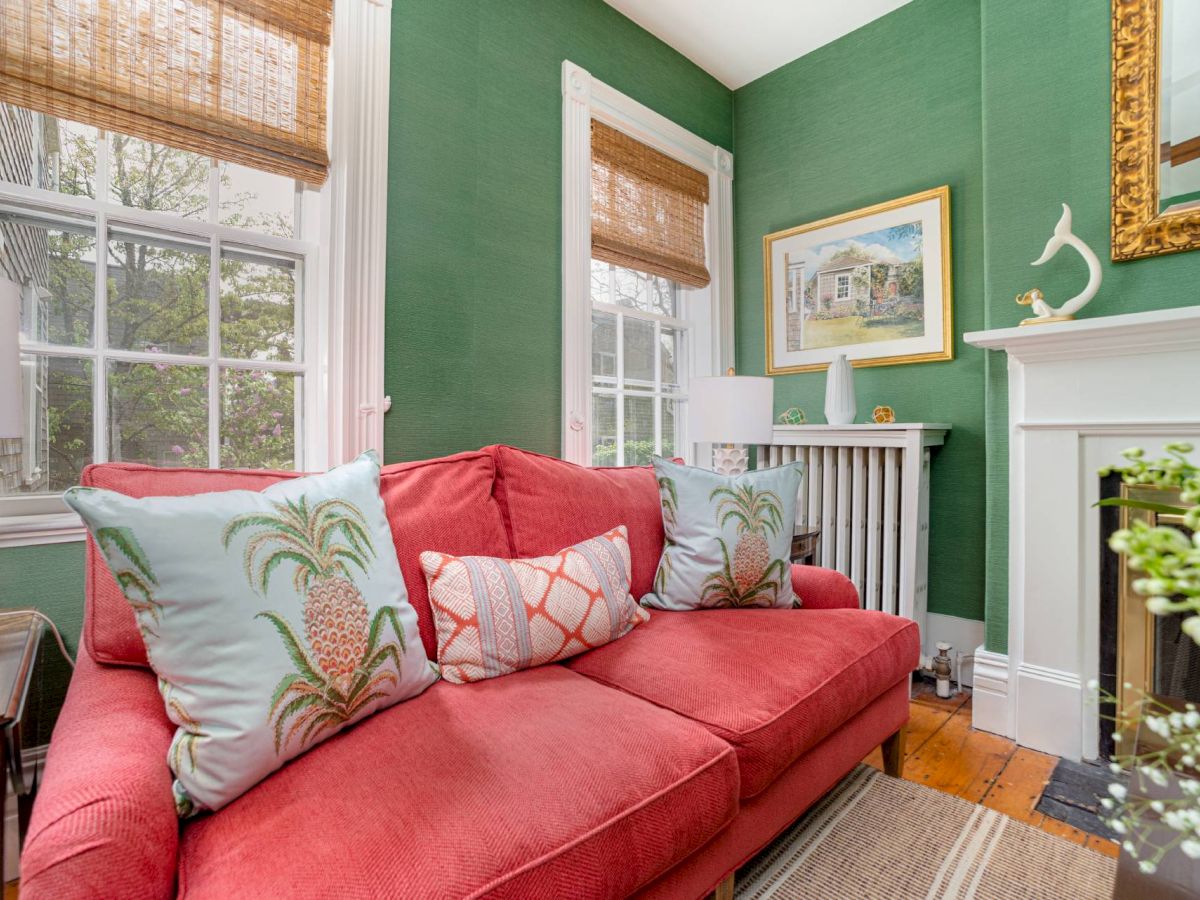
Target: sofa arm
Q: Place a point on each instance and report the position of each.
(820, 588)
(104, 822)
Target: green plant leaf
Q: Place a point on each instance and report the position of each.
(1167, 509)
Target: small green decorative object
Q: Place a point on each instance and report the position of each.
(793, 415)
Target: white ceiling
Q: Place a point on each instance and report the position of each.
(739, 40)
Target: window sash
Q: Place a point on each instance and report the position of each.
(54, 209)
(615, 386)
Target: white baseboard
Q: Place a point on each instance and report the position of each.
(33, 756)
(1049, 717)
(990, 706)
(961, 634)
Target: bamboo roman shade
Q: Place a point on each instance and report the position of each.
(647, 208)
(242, 80)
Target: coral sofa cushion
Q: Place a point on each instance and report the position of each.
(549, 504)
(496, 616)
(273, 619)
(437, 504)
(110, 629)
(727, 537)
(537, 784)
(771, 682)
(445, 505)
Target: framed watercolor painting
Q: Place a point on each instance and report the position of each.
(873, 284)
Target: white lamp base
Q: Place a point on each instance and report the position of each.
(730, 459)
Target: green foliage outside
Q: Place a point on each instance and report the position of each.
(637, 453)
(157, 293)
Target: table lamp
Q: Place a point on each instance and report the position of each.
(729, 410)
(11, 412)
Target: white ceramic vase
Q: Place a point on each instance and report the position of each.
(840, 404)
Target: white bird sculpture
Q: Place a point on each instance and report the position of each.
(1063, 237)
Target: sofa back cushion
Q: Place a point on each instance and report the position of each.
(439, 504)
(443, 505)
(549, 504)
(110, 630)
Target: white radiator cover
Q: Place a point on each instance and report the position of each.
(866, 487)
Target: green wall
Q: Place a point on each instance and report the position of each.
(49, 577)
(888, 110)
(474, 225)
(1046, 121)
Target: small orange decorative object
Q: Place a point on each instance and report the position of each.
(883, 415)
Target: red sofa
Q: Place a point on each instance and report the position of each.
(651, 767)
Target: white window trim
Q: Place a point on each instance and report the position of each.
(344, 399)
(585, 98)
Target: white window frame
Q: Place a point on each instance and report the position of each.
(343, 284)
(711, 347)
(615, 386)
(841, 278)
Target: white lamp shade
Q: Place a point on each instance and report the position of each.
(731, 409)
(11, 394)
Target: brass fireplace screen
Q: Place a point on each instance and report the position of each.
(1153, 654)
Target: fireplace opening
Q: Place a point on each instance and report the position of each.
(1149, 653)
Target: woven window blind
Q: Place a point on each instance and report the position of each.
(647, 209)
(241, 80)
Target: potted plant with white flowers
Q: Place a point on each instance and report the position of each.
(1163, 812)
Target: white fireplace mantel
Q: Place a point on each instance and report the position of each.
(1078, 394)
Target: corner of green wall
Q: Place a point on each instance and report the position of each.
(859, 121)
(50, 578)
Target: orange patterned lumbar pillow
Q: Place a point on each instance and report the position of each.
(496, 616)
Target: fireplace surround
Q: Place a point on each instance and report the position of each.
(1078, 394)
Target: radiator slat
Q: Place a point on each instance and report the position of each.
(891, 528)
(814, 489)
(844, 476)
(829, 508)
(802, 494)
(874, 525)
(858, 523)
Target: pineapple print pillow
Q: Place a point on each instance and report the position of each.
(728, 537)
(273, 620)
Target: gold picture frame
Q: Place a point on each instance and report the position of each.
(784, 355)
(1139, 230)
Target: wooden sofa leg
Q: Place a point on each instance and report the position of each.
(893, 753)
(724, 890)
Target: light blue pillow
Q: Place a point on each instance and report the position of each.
(728, 537)
(273, 619)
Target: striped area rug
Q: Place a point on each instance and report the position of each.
(874, 836)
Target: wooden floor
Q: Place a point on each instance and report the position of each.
(943, 751)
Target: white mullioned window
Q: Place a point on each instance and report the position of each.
(167, 308)
(632, 341)
(639, 372)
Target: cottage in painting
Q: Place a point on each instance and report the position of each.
(852, 297)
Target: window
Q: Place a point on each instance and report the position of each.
(639, 336)
(647, 299)
(163, 307)
(843, 287)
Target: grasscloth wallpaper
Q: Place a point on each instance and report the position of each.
(474, 170)
(865, 119)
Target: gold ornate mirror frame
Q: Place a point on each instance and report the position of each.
(1138, 228)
